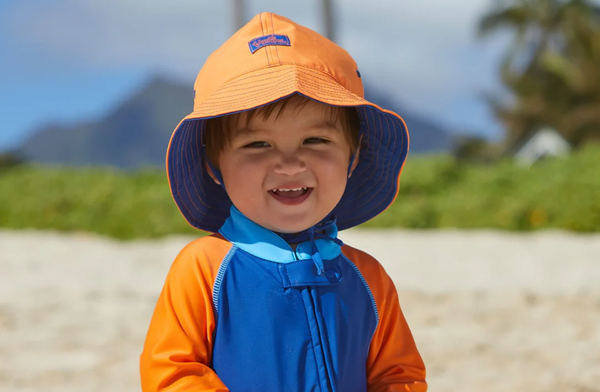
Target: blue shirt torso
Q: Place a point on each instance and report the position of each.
(281, 326)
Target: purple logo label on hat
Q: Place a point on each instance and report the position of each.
(269, 40)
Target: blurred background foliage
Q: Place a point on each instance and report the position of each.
(436, 191)
(552, 69)
(442, 192)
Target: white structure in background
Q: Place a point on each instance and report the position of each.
(544, 142)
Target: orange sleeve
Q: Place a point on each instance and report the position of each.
(394, 363)
(178, 347)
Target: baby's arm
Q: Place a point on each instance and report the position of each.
(394, 363)
(178, 345)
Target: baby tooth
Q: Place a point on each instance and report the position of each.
(290, 190)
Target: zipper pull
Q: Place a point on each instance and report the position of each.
(316, 257)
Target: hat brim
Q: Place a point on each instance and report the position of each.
(370, 190)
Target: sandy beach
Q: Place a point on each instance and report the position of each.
(490, 311)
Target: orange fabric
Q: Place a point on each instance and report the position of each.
(234, 78)
(394, 363)
(179, 342)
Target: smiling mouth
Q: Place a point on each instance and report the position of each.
(291, 196)
(290, 193)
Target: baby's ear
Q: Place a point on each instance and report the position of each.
(355, 162)
(211, 174)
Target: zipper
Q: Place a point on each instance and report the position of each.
(322, 352)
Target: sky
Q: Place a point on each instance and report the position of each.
(64, 61)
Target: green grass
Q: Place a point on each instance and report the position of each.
(117, 204)
(435, 192)
(438, 192)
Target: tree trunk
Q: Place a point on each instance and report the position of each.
(328, 19)
(237, 8)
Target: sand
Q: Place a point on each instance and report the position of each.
(490, 311)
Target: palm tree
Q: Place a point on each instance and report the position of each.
(549, 67)
(577, 69)
(534, 22)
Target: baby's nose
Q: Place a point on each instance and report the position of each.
(289, 164)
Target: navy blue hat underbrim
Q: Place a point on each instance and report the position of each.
(370, 190)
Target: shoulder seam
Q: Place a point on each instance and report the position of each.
(362, 278)
(219, 279)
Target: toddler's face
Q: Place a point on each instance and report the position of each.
(287, 172)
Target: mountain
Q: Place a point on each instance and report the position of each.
(136, 132)
(425, 135)
(133, 134)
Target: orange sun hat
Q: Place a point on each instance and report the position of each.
(269, 59)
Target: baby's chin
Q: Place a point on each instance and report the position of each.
(291, 227)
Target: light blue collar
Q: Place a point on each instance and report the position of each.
(267, 245)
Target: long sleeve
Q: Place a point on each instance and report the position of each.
(178, 347)
(394, 363)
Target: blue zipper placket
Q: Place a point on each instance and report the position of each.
(316, 324)
(320, 341)
(311, 297)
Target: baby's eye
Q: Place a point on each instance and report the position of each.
(257, 145)
(316, 140)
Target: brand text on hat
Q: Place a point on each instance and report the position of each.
(269, 40)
